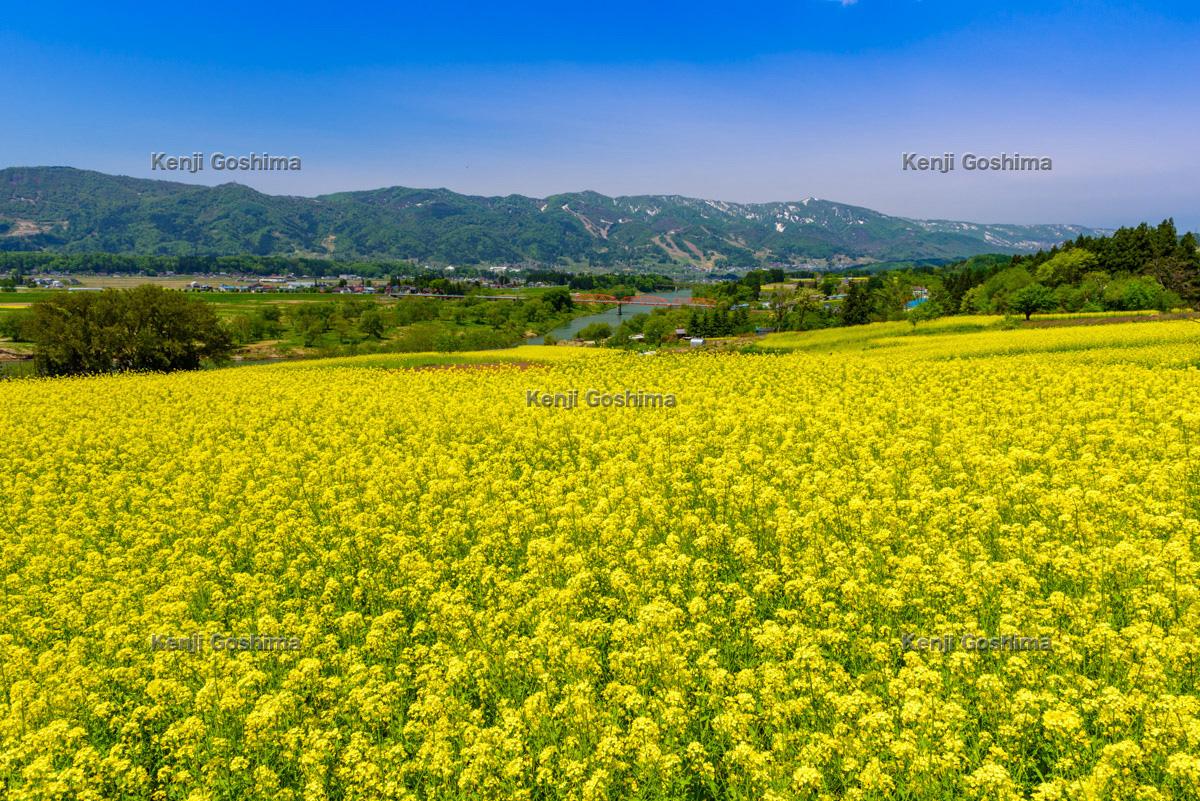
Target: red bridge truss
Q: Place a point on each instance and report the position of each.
(640, 300)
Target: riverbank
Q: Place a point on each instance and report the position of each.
(614, 314)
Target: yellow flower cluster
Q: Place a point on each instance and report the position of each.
(493, 600)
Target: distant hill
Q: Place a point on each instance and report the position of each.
(70, 210)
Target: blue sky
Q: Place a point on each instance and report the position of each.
(777, 101)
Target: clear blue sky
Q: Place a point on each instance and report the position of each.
(771, 101)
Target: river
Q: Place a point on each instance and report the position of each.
(611, 317)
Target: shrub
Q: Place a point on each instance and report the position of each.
(594, 331)
(145, 328)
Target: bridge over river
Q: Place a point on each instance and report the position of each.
(682, 298)
(613, 315)
(675, 299)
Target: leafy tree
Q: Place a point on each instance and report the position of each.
(959, 279)
(241, 329)
(997, 292)
(559, 299)
(594, 332)
(1178, 274)
(973, 300)
(310, 320)
(352, 308)
(808, 302)
(1067, 267)
(856, 309)
(657, 328)
(370, 322)
(929, 310)
(346, 331)
(1138, 292)
(15, 326)
(145, 328)
(266, 324)
(416, 310)
(782, 302)
(1032, 298)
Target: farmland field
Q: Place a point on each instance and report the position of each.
(748, 594)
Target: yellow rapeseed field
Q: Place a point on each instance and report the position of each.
(956, 562)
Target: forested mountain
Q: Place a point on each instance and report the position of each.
(70, 210)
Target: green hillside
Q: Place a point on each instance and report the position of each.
(70, 210)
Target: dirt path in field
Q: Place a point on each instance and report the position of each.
(7, 355)
(1127, 318)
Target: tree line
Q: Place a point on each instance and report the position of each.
(1135, 268)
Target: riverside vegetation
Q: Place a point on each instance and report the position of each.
(150, 328)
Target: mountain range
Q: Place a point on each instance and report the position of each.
(71, 210)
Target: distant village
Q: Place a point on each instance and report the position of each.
(350, 284)
(342, 284)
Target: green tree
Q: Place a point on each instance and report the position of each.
(144, 328)
(559, 299)
(14, 325)
(240, 328)
(997, 292)
(808, 302)
(310, 320)
(974, 301)
(266, 323)
(1067, 267)
(657, 328)
(929, 310)
(594, 332)
(1032, 298)
(856, 308)
(782, 302)
(1178, 274)
(370, 322)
